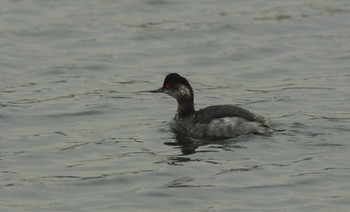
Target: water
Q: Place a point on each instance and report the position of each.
(76, 136)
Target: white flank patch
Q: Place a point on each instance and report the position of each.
(223, 126)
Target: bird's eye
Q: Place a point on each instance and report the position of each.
(168, 86)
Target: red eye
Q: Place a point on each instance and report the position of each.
(168, 86)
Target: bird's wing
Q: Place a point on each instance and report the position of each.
(207, 114)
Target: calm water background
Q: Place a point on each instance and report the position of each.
(76, 136)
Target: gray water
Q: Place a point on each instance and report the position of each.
(75, 135)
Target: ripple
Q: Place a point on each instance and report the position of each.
(76, 134)
(81, 113)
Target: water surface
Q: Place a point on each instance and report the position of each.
(75, 135)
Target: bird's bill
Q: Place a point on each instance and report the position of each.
(159, 90)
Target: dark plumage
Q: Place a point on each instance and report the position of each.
(218, 121)
(207, 114)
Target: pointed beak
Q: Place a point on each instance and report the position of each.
(160, 90)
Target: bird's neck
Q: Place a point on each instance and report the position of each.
(185, 106)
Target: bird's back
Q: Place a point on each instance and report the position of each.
(223, 121)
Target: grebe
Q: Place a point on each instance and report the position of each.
(213, 122)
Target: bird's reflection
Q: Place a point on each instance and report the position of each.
(190, 145)
(187, 145)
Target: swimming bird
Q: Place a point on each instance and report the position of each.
(213, 122)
